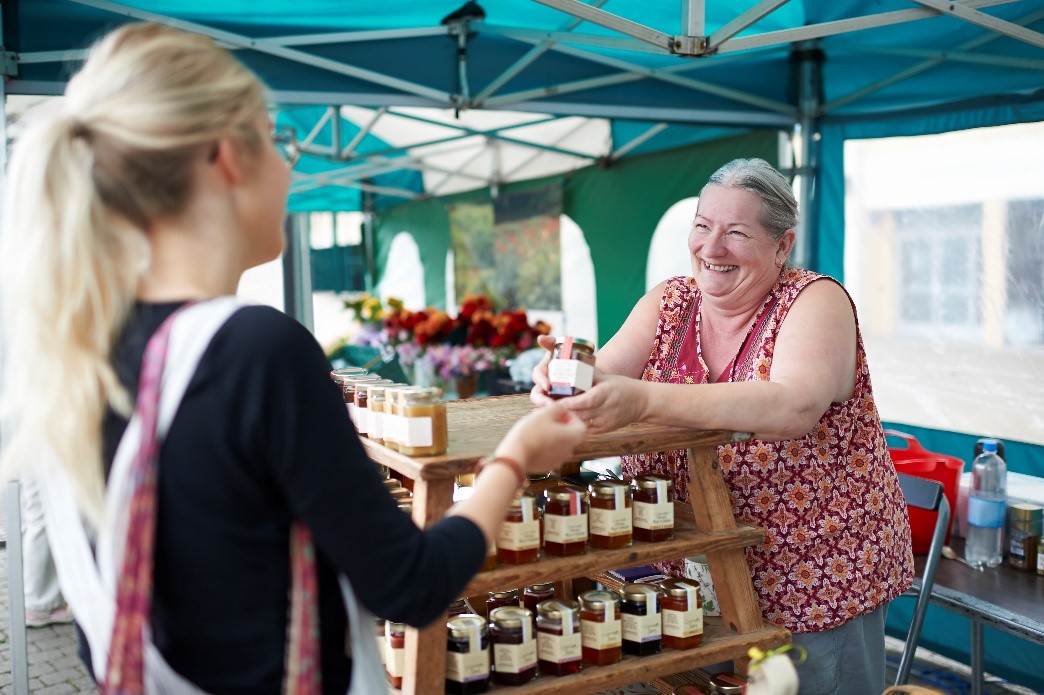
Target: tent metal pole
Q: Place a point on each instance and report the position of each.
(368, 239)
(694, 18)
(743, 21)
(611, 21)
(297, 271)
(1010, 29)
(363, 132)
(809, 100)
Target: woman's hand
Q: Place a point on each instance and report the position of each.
(541, 382)
(613, 402)
(543, 439)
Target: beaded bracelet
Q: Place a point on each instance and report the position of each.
(511, 463)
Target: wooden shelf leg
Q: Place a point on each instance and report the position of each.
(712, 506)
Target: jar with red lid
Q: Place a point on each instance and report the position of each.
(559, 641)
(682, 614)
(653, 508)
(467, 655)
(519, 539)
(565, 521)
(514, 645)
(394, 652)
(499, 599)
(642, 622)
(600, 628)
(610, 514)
(571, 369)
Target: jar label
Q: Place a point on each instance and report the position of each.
(515, 658)
(559, 649)
(565, 529)
(601, 635)
(375, 423)
(986, 513)
(575, 373)
(469, 667)
(523, 535)
(360, 418)
(641, 628)
(1017, 544)
(396, 662)
(610, 522)
(683, 623)
(417, 431)
(351, 411)
(380, 649)
(394, 425)
(654, 516)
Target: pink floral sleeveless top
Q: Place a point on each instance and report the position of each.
(837, 535)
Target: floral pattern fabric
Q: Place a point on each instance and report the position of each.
(837, 534)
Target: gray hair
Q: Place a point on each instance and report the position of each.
(779, 210)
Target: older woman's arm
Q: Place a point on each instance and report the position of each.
(813, 365)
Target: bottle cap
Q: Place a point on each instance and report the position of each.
(989, 446)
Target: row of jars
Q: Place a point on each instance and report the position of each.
(408, 419)
(557, 637)
(610, 514)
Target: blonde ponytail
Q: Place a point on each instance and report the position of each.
(82, 188)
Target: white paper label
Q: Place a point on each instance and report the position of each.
(515, 658)
(380, 648)
(375, 423)
(396, 662)
(575, 373)
(466, 668)
(610, 522)
(654, 517)
(523, 535)
(362, 420)
(417, 431)
(559, 649)
(641, 628)
(565, 529)
(683, 623)
(601, 635)
(353, 414)
(394, 426)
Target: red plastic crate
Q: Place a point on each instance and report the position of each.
(914, 459)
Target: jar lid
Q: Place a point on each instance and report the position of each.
(458, 603)
(577, 343)
(648, 482)
(406, 506)
(371, 386)
(337, 374)
(510, 616)
(400, 493)
(503, 595)
(680, 587)
(599, 600)
(563, 493)
(541, 588)
(413, 395)
(465, 624)
(391, 483)
(350, 383)
(554, 608)
(396, 627)
(640, 593)
(727, 682)
(1024, 511)
(606, 489)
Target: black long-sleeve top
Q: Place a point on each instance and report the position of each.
(262, 438)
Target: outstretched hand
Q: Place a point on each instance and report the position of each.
(613, 402)
(542, 440)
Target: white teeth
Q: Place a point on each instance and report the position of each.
(720, 268)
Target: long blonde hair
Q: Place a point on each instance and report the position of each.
(83, 187)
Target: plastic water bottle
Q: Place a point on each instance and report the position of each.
(987, 505)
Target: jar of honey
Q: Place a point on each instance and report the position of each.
(514, 645)
(394, 652)
(641, 618)
(565, 521)
(467, 655)
(499, 599)
(653, 508)
(600, 628)
(375, 400)
(571, 369)
(559, 641)
(682, 614)
(610, 514)
(391, 417)
(362, 398)
(424, 431)
(519, 539)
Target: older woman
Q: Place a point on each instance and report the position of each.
(751, 344)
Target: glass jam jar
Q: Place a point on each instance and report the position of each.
(499, 599)
(641, 618)
(362, 398)
(375, 399)
(565, 521)
(425, 432)
(571, 369)
(378, 637)
(559, 641)
(682, 614)
(610, 514)
(653, 508)
(514, 645)
(349, 387)
(394, 652)
(459, 607)
(535, 594)
(519, 539)
(467, 655)
(602, 634)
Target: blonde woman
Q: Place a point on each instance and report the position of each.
(144, 199)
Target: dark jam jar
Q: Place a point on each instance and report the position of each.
(642, 622)
(559, 641)
(519, 539)
(467, 655)
(459, 607)
(571, 369)
(610, 514)
(602, 634)
(653, 508)
(514, 645)
(565, 521)
(394, 652)
(535, 594)
(682, 614)
(498, 599)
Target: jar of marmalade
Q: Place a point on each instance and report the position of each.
(571, 369)
(349, 385)
(653, 508)
(467, 655)
(600, 628)
(499, 599)
(424, 432)
(642, 622)
(514, 645)
(610, 514)
(565, 521)
(375, 400)
(362, 398)
(682, 614)
(394, 652)
(519, 539)
(559, 641)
